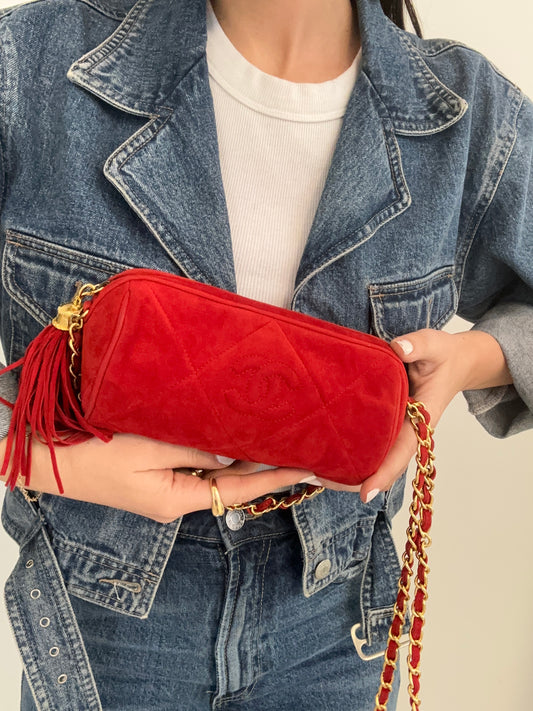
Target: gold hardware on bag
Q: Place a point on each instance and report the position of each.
(72, 311)
(70, 317)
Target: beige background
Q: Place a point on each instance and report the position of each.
(478, 652)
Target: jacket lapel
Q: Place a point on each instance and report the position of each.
(365, 185)
(154, 65)
(395, 93)
(170, 174)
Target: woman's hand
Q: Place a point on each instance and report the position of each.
(440, 365)
(149, 477)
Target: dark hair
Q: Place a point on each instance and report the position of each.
(394, 10)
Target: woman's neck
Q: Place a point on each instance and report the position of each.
(297, 40)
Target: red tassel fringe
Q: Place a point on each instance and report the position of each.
(47, 407)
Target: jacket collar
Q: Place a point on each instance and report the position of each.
(140, 65)
(155, 65)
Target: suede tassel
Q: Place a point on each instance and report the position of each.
(47, 405)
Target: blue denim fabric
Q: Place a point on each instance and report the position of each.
(110, 160)
(246, 638)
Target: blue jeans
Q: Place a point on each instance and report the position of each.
(231, 629)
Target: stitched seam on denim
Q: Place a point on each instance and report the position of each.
(258, 671)
(75, 574)
(246, 691)
(380, 219)
(387, 335)
(99, 7)
(393, 159)
(95, 87)
(137, 609)
(29, 305)
(114, 40)
(16, 292)
(194, 537)
(3, 141)
(23, 627)
(232, 617)
(380, 292)
(137, 597)
(488, 191)
(161, 549)
(12, 322)
(236, 544)
(151, 133)
(153, 224)
(455, 44)
(428, 52)
(439, 88)
(410, 285)
(442, 91)
(28, 242)
(70, 626)
(82, 551)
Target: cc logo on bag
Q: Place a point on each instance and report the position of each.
(263, 387)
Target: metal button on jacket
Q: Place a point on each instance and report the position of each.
(322, 569)
(235, 519)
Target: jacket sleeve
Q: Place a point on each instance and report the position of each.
(497, 288)
(8, 381)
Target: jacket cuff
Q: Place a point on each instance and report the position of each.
(507, 409)
(8, 390)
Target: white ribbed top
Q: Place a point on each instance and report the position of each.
(276, 141)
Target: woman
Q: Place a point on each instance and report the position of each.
(387, 177)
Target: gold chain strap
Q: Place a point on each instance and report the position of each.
(70, 318)
(418, 540)
(271, 504)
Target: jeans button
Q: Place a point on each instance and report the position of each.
(322, 569)
(235, 519)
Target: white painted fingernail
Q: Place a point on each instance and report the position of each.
(371, 495)
(224, 460)
(315, 481)
(265, 467)
(406, 346)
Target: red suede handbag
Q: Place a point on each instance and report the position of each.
(172, 359)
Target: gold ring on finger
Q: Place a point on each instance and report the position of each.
(217, 506)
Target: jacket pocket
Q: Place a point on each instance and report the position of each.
(38, 276)
(405, 306)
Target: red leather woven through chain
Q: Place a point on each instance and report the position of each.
(271, 504)
(418, 540)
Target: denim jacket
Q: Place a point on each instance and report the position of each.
(110, 161)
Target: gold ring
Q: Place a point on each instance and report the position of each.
(217, 507)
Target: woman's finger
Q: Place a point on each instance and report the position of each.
(236, 488)
(394, 465)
